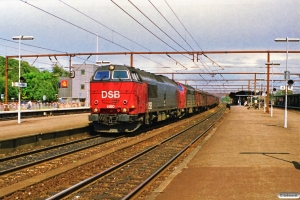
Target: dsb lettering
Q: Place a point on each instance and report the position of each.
(110, 94)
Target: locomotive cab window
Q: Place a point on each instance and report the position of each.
(101, 75)
(120, 74)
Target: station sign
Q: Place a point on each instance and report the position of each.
(18, 84)
(289, 87)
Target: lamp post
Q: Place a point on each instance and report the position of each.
(21, 37)
(272, 63)
(287, 40)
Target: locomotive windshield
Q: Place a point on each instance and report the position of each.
(120, 74)
(101, 75)
(116, 74)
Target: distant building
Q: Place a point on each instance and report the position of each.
(242, 96)
(77, 89)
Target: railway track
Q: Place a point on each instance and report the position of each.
(101, 162)
(21, 162)
(125, 179)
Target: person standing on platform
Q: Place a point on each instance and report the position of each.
(29, 106)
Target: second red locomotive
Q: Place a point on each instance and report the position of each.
(123, 98)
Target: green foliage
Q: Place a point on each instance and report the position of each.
(282, 92)
(38, 83)
(58, 71)
(226, 99)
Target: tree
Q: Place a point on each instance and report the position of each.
(226, 99)
(13, 76)
(58, 71)
(38, 83)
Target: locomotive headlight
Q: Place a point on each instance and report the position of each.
(124, 110)
(111, 67)
(95, 110)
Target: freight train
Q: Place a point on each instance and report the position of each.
(124, 98)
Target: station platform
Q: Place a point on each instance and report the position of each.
(11, 129)
(249, 155)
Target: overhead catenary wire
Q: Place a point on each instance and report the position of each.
(110, 29)
(90, 32)
(82, 28)
(175, 31)
(202, 62)
(187, 32)
(34, 60)
(34, 51)
(114, 31)
(161, 31)
(74, 25)
(183, 25)
(157, 25)
(161, 28)
(170, 24)
(152, 32)
(143, 26)
(38, 48)
(33, 46)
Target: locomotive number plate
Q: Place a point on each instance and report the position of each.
(110, 106)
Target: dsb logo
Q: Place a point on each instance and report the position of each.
(110, 94)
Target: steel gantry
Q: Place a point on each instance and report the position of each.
(194, 56)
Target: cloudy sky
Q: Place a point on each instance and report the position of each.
(156, 25)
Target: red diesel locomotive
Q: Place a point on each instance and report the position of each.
(123, 98)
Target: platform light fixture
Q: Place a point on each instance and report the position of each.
(272, 63)
(287, 40)
(21, 37)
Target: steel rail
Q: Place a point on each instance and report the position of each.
(28, 164)
(152, 176)
(43, 149)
